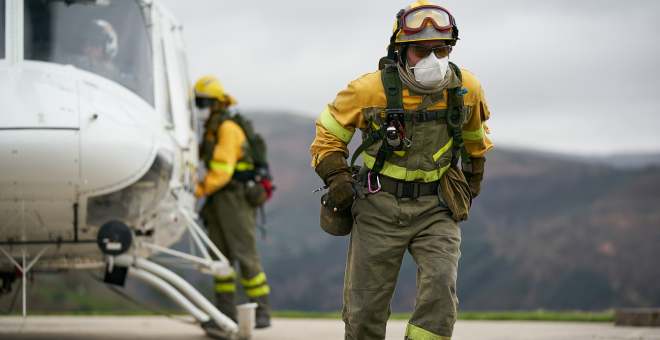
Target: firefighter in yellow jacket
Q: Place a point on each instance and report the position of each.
(227, 213)
(418, 115)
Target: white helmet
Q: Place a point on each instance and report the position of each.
(102, 32)
(112, 43)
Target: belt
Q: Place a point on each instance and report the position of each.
(403, 189)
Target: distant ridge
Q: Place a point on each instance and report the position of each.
(549, 231)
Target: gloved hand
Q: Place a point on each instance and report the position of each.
(342, 190)
(474, 174)
(200, 192)
(342, 187)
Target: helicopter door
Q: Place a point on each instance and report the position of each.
(177, 84)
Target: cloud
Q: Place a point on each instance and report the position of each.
(546, 67)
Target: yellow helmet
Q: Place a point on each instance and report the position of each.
(423, 20)
(209, 88)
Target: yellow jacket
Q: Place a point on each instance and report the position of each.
(226, 154)
(354, 108)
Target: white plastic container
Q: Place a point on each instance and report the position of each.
(246, 320)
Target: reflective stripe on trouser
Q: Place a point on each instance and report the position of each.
(384, 228)
(225, 284)
(257, 286)
(231, 221)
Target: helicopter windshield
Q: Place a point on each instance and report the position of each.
(106, 37)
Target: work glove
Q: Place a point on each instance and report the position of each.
(200, 191)
(342, 187)
(474, 174)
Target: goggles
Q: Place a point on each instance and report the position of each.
(422, 51)
(415, 19)
(203, 103)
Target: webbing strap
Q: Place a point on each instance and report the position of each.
(455, 117)
(430, 115)
(393, 93)
(399, 25)
(393, 87)
(369, 141)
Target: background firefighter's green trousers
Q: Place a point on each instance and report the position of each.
(385, 226)
(231, 223)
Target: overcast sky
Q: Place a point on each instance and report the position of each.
(577, 77)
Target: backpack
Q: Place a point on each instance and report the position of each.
(257, 146)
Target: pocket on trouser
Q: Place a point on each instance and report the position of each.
(454, 193)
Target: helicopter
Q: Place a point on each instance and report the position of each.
(99, 149)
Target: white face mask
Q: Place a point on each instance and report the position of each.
(430, 71)
(203, 114)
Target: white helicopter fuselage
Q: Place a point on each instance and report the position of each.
(84, 142)
(99, 149)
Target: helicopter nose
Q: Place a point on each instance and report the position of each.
(81, 137)
(116, 146)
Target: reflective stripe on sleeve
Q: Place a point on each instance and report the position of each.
(474, 135)
(257, 292)
(222, 166)
(330, 124)
(416, 333)
(258, 280)
(244, 166)
(401, 173)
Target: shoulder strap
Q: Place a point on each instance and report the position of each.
(456, 119)
(393, 93)
(457, 71)
(393, 87)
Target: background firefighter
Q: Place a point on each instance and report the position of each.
(229, 212)
(418, 115)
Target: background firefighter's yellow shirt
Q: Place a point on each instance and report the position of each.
(226, 154)
(345, 114)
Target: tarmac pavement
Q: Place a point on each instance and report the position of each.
(163, 328)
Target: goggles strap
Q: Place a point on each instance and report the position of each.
(399, 25)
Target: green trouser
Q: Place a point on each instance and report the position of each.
(231, 221)
(385, 226)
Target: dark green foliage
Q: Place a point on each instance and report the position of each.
(582, 289)
(545, 233)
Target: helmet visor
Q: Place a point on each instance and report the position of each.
(415, 19)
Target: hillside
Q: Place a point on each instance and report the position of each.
(548, 231)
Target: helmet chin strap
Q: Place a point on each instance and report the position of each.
(399, 25)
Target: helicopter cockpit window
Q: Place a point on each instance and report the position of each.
(106, 37)
(2, 29)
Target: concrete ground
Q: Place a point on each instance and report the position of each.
(163, 328)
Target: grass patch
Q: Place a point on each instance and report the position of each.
(540, 315)
(97, 313)
(306, 315)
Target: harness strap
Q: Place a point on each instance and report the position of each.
(393, 87)
(455, 118)
(454, 115)
(369, 141)
(393, 93)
